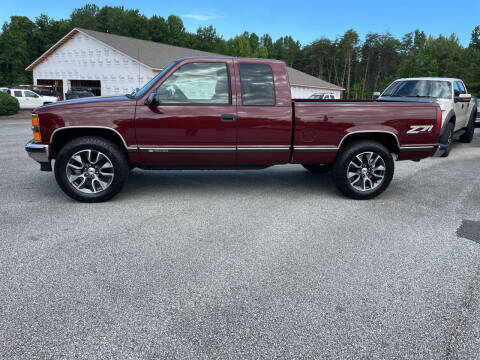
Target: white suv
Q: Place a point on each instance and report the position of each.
(31, 100)
(459, 109)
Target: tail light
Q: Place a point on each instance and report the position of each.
(36, 128)
(439, 121)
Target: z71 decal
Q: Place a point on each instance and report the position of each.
(417, 129)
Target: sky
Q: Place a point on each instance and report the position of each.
(305, 21)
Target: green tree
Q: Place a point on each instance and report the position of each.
(86, 17)
(348, 43)
(156, 27)
(241, 46)
(267, 41)
(419, 60)
(475, 39)
(16, 44)
(261, 52)
(175, 33)
(206, 39)
(117, 20)
(320, 55)
(254, 42)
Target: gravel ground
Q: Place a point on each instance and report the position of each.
(272, 263)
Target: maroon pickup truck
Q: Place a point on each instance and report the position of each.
(227, 113)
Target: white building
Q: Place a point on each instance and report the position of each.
(113, 65)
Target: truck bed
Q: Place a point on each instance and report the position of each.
(321, 126)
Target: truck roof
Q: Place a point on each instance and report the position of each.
(230, 57)
(430, 78)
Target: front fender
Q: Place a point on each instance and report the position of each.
(450, 115)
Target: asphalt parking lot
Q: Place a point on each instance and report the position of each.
(272, 263)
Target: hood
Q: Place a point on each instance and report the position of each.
(90, 101)
(49, 98)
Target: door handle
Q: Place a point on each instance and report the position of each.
(229, 117)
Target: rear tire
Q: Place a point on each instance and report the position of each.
(363, 169)
(318, 169)
(91, 169)
(470, 130)
(448, 138)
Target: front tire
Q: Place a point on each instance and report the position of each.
(448, 138)
(363, 169)
(470, 130)
(91, 169)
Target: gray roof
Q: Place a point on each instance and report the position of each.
(298, 77)
(157, 55)
(153, 54)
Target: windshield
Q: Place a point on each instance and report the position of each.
(420, 88)
(149, 84)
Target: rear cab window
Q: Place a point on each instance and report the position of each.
(258, 88)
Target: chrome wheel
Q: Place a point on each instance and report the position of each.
(366, 171)
(90, 171)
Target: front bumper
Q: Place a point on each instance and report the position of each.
(39, 153)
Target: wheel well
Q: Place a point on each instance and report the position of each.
(386, 139)
(61, 137)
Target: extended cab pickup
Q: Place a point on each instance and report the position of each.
(224, 113)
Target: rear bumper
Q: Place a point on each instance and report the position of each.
(39, 153)
(440, 150)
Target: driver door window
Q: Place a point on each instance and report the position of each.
(456, 89)
(196, 84)
(462, 88)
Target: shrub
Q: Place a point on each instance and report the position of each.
(8, 104)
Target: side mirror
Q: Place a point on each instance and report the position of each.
(37, 96)
(152, 100)
(464, 98)
(375, 95)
